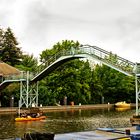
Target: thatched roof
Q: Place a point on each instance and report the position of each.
(6, 69)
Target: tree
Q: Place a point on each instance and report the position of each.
(1, 42)
(96, 85)
(64, 45)
(115, 85)
(28, 63)
(11, 54)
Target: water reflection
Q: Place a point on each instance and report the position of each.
(66, 121)
(122, 109)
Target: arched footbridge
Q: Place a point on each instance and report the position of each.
(29, 82)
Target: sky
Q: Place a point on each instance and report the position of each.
(113, 25)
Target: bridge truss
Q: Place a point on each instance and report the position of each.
(28, 93)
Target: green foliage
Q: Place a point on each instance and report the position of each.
(1, 43)
(115, 85)
(11, 54)
(28, 63)
(69, 80)
(11, 90)
(64, 45)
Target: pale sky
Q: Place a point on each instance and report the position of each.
(113, 25)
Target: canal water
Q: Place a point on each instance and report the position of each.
(66, 121)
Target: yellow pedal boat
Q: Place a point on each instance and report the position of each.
(122, 105)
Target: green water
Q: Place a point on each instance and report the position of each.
(66, 121)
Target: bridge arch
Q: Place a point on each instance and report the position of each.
(64, 59)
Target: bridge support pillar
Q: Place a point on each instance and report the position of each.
(28, 93)
(137, 86)
(33, 95)
(137, 82)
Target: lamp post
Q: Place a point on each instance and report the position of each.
(65, 100)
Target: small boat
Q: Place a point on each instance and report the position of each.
(122, 105)
(22, 119)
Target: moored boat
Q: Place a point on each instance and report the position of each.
(122, 105)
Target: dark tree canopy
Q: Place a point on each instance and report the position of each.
(9, 51)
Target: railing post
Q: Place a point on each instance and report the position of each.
(21, 93)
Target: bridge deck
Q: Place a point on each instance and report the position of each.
(7, 82)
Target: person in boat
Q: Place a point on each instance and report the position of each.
(23, 115)
(33, 115)
(28, 116)
(38, 115)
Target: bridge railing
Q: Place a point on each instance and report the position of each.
(21, 75)
(52, 59)
(96, 52)
(110, 58)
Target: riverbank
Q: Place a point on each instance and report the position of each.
(59, 108)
